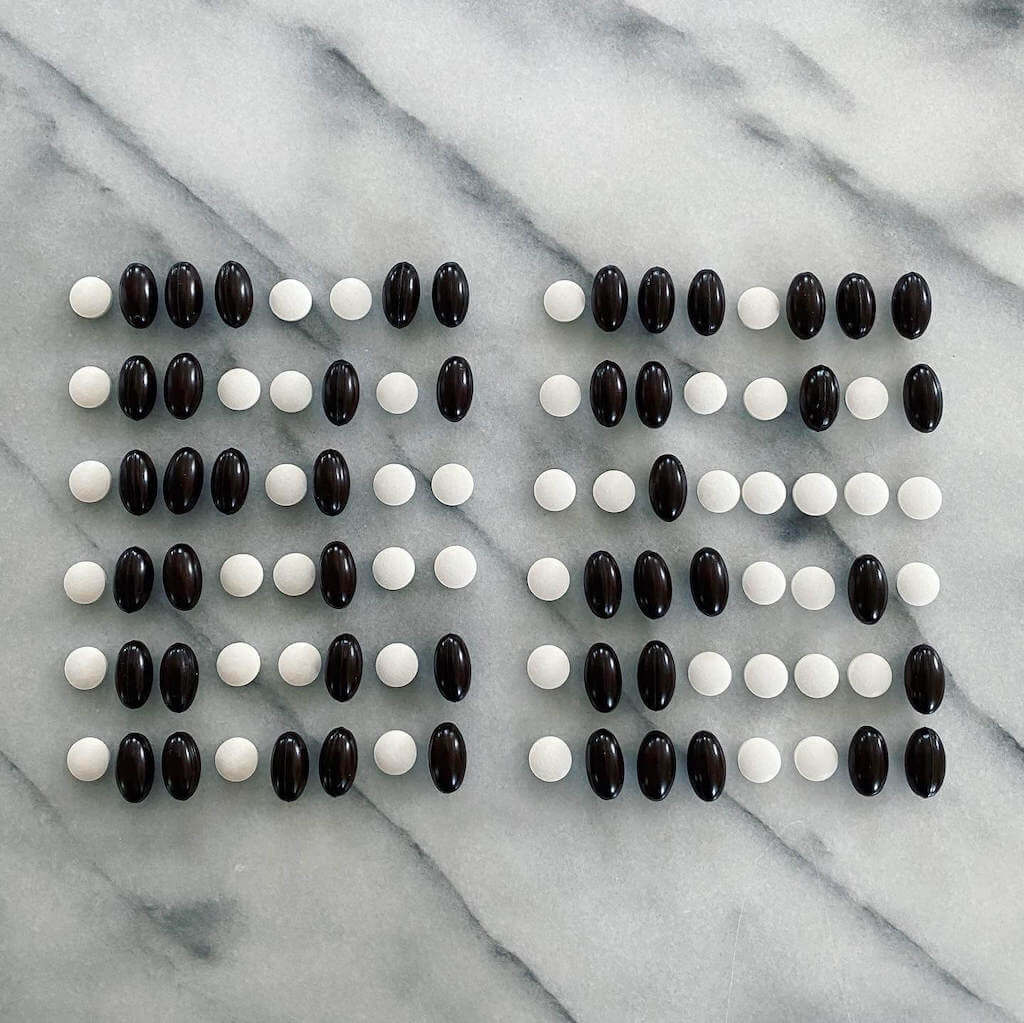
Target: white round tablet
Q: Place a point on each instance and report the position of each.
(89, 387)
(869, 675)
(452, 484)
(866, 493)
(919, 497)
(239, 389)
(241, 575)
(351, 298)
(866, 398)
(816, 676)
(291, 391)
(85, 667)
(547, 666)
(813, 588)
(394, 484)
(299, 664)
(709, 673)
(236, 759)
(238, 664)
(718, 491)
(455, 567)
(548, 579)
(758, 760)
(393, 568)
(814, 494)
(765, 398)
(90, 297)
(286, 485)
(764, 493)
(397, 393)
(763, 583)
(396, 665)
(564, 301)
(614, 491)
(89, 481)
(554, 490)
(290, 300)
(705, 393)
(550, 758)
(815, 758)
(765, 675)
(758, 308)
(917, 583)
(395, 752)
(84, 582)
(560, 395)
(88, 759)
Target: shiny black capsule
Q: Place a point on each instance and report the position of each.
(133, 674)
(608, 393)
(924, 678)
(183, 481)
(652, 584)
(183, 577)
(666, 487)
(446, 757)
(656, 675)
(133, 579)
(656, 299)
(805, 305)
(911, 305)
(232, 291)
(656, 765)
(705, 302)
(339, 761)
(331, 482)
(450, 294)
(289, 766)
(337, 575)
(602, 678)
(400, 294)
(454, 388)
(868, 760)
(136, 482)
(453, 669)
(344, 668)
(925, 762)
(653, 394)
(709, 581)
(229, 481)
(134, 767)
(705, 766)
(855, 306)
(181, 765)
(606, 770)
(179, 677)
(183, 385)
(922, 398)
(819, 398)
(340, 392)
(138, 295)
(868, 589)
(183, 294)
(602, 584)
(136, 387)
(609, 298)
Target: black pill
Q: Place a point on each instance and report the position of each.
(232, 291)
(337, 575)
(855, 306)
(656, 675)
(331, 482)
(653, 394)
(400, 294)
(602, 584)
(134, 767)
(229, 481)
(453, 669)
(340, 392)
(339, 761)
(608, 393)
(868, 589)
(666, 487)
(183, 385)
(868, 761)
(179, 677)
(606, 770)
(819, 398)
(454, 388)
(924, 762)
(602, 678)
(446, 757)
(705, 302)
(133, 674)
(183, 294)
(656, 765)
(183, 481)
(289, 766)
(136, 482)
(924, 678)
(133, 579)
(656, 299)
(922, 398)
(138, 295)
(709, 581)
(705, 766)
(911, 305)
(344, 669)
(181, 765)
(183, 577)
(136, 387)
(805, 305)
(450, 294)
(609, 298)
(652, 584)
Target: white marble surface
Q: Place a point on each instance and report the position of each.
(528, 141)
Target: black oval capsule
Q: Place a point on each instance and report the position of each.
(805, 305)
(924, 678)
(400, 294)
(819, 398)
(705, 302)
(656, 299)
(183, 385)
(133, 579)
(133, 674)
(911, 305)
(855, 306)
(179, 677)
(454, 388)
(602, 584)
(868, 760)
(606, 770)
(450, 294)
(924, 762)
(289, 766)
(337, 575)
(666, 487)
(656, 675)
(705, 766)
(331, 482)
(868, 589)
(232, 291)
(134, 767)
(344, 669)
(229, 481)
(136, 387)
(181, 765)
(453, 669)
(652, 584)
(922, 398)
(339, 761)
(602, 678)
(446, 757)
(656, 765)
(609, 298)
(183, 294)
(183, 577)
(138, 295)
(653, 395)
(340, 392)
(183, 480)
(608, 393)
(136, 482)
(709, 581)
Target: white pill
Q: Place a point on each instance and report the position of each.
(89, 387)
(397, 665)
(614, 491)
(764, 493)
(393, 568)
(866, 493)
(564, 301)
(238, 664)
(452, 484)
(869, 675)
(85, 667)
(84, 582)
(765, 675)
(709, 673)
(919, 497)
(917, 583)
(241, 575)
(718, 491)
(554, 490)
(705, 393)
(866, 398)
(291, 391)
(394, 484)
(286, 485)
(90, 297)
(294, 574)
(550, 758)
(814, 494)
(548, 579)
(89, 481)
(395, 752)
(763, 583)
(758, 308)
(455, 567)
(88, 759)
(236, 759)
(816, 676)
(548, 666)
(351, 298)
(299, 664)
(560, 395)
(816, 758)
(290, 300)
(238, 389)
(759, 760)
(813, 588)
(765, 398)
(397, 393)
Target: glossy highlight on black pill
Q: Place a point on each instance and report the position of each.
(340, 392)
(232, 292)
(867, 589)
(183, 294)
(924, 762)
(922, 398)
(924, 679)
(183, 481)
(911, 305)
(400, 294)
(331, 482)
(656, 765)
(133, 674)
(855, 306)
(137, 482)
(705, 302)
(868, 761)
(183, 385)
(602, 584)
(339, 761)
(138, 295)
(656, 299)
(666, 487)
(136, 387)
(182, 577)
(453, 669)
(709, 581)
(609, 298)
(133, 579)
(337, 575)
(602, 678)
(179, 677)
(446, 758)
(229, 481)
(606, 769)
(705, 766)
(454, 388)
(134, 767)
(289, 766)
(449, 294)
(819, 398)
(805, 305)
(181, 765)
(653, 395)
(652, 584)
(608, 393)
(343, 670)
(656, 675)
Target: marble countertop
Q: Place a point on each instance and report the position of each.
(530, 142)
